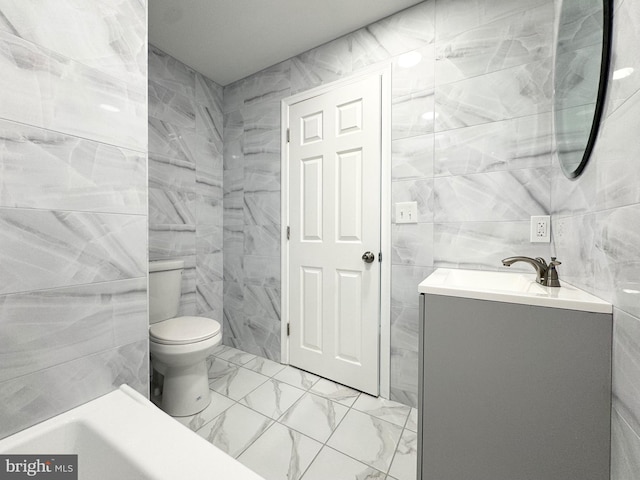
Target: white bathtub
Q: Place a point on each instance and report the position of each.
(122, 435)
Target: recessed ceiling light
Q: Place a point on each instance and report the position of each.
(408, 60)
(622, 73)
(429, 115)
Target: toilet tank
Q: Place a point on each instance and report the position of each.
(165, 282)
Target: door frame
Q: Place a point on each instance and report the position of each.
(383, 70)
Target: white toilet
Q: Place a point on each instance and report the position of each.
(179, 345)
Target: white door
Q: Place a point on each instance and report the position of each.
(334, 211)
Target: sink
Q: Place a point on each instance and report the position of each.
(510, 287)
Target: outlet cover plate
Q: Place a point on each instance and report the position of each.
(541, 229)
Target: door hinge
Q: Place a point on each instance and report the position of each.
(380, 257)
(288, 330)
(288, 135)
(288, 233)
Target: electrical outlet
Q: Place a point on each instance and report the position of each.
(541, 229)
(407, 212)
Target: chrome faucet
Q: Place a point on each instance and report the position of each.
(546, 275)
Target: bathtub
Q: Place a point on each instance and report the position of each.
(122, 435)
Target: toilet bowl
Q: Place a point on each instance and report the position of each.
(179, 346)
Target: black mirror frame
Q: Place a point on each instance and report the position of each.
(607, 27)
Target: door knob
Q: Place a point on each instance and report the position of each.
(368, 257)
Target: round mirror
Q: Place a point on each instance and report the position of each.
(583, 45)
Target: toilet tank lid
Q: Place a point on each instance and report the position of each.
(183, 330)
(165, 265)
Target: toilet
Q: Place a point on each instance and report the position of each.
(179, 346)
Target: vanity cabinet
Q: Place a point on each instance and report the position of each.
(512, 391)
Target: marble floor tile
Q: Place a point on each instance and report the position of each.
(404, 464)
(280, 454)
(412, 421)
(272, 398)
(382, 408)
(333, 465)
(297, 378)
(367, 439)
(314, 416)
(219, 403)
(235, 382)
(236, 356)
(235, 429)
(264, 366)
(334, 391)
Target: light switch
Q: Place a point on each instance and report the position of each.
(407, 212)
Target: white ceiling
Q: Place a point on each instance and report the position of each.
(227, 40)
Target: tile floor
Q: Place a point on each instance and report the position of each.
(288, 424)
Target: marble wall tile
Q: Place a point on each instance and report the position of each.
(404, 326)
(234, 239)
(262, 208)
(419, 191)
(455, 16)
(209, 267)
(404, 376)
(522, 142)
(46, 169)
(626, 31)
(513, 92)
(626, 366)
(233, 140)
(412, 244)
(110, 36)
(32, 398)
(617, 257)
(46, 90)
(171, 207)
(208, 209)
(573, 240)
(482, 245)
(616, 139)
(412, 115)
(511, 40)
(188, 296)
(168, 241)
(209, 239)
(405, 31)
(262, 240)
(47, 249)
(625, 449)
(48, 327)
(322, 64)
(170, 141)
(272, 83)
(170, 73)
(495, 196)
(169, 173)
(233, 269)
(413, 72)
(262, 302)
(171, 107)
(262, 271)
(404, 284)
(209, 298)
(412, 157)
(209, 93)
(209, 122)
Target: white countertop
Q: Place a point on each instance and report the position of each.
(510, 287)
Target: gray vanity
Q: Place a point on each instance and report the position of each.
(515, 379)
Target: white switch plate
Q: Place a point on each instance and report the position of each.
(407, 212)
(541, 229)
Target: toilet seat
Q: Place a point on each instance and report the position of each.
(183, 330)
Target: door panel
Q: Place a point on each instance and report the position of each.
(334, 211)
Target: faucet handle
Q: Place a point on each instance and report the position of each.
(554, 261)
(542, 260)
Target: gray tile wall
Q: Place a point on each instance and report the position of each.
(471, 144)
(597, 233)
(185, 179)
(73, 205)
